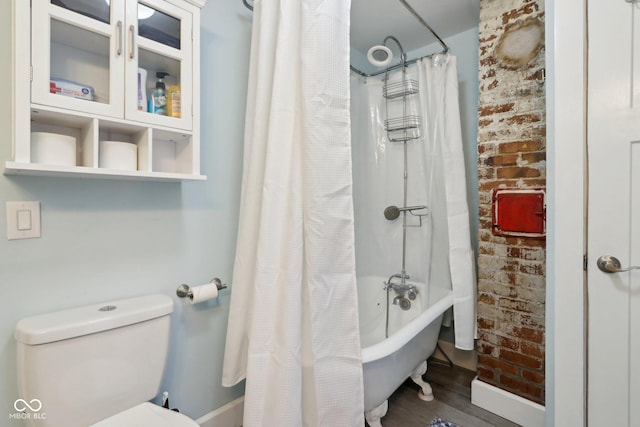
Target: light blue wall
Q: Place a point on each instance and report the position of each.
(359, 61)
(104, 240)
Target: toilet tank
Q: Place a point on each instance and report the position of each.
(88, 363)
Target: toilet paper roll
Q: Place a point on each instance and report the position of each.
(203, 293)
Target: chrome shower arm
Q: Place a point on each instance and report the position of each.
(403, 55)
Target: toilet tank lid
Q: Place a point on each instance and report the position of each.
(76, 322)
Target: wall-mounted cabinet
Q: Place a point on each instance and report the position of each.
(88, 69)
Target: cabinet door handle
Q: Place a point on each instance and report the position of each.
(131, 41)
(119, 38)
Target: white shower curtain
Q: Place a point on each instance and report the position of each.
(293, 324)
(438, 253)
(438, 80)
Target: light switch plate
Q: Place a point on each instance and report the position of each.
(23, 220)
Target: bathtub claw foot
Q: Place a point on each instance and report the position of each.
(373, 416)
(425, 393)
(426, 397)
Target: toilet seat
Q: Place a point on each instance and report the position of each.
(147, 415)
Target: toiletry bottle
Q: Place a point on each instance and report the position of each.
(174, 106)
(142, 89)
(160, 95)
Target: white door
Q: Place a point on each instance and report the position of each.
(614, 212)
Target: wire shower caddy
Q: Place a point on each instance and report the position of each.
(406, 127)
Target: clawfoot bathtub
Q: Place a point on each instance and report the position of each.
(413, 335)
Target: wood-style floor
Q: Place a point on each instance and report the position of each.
(452, 390)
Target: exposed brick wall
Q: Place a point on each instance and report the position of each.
(511, 153)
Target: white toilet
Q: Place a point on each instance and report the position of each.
(97, 365)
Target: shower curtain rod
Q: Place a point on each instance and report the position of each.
(424, 24)
(393, 67)
(418, 17)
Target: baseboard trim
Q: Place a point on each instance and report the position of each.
(229, 415)
(462, 358)
(507, 405)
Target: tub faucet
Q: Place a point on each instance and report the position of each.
(402, 287)
(391, 284)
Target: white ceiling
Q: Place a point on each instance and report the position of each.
(373, 20)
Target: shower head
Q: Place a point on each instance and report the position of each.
(391, 213)
(381, 55)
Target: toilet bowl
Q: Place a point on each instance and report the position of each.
(98, 365)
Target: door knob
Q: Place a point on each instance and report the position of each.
(611, 264)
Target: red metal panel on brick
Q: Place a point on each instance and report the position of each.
(519, 212)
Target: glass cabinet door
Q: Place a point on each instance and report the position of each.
(96, 9)
(78, 55)
(159, 84)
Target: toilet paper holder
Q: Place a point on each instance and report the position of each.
(185, 291)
